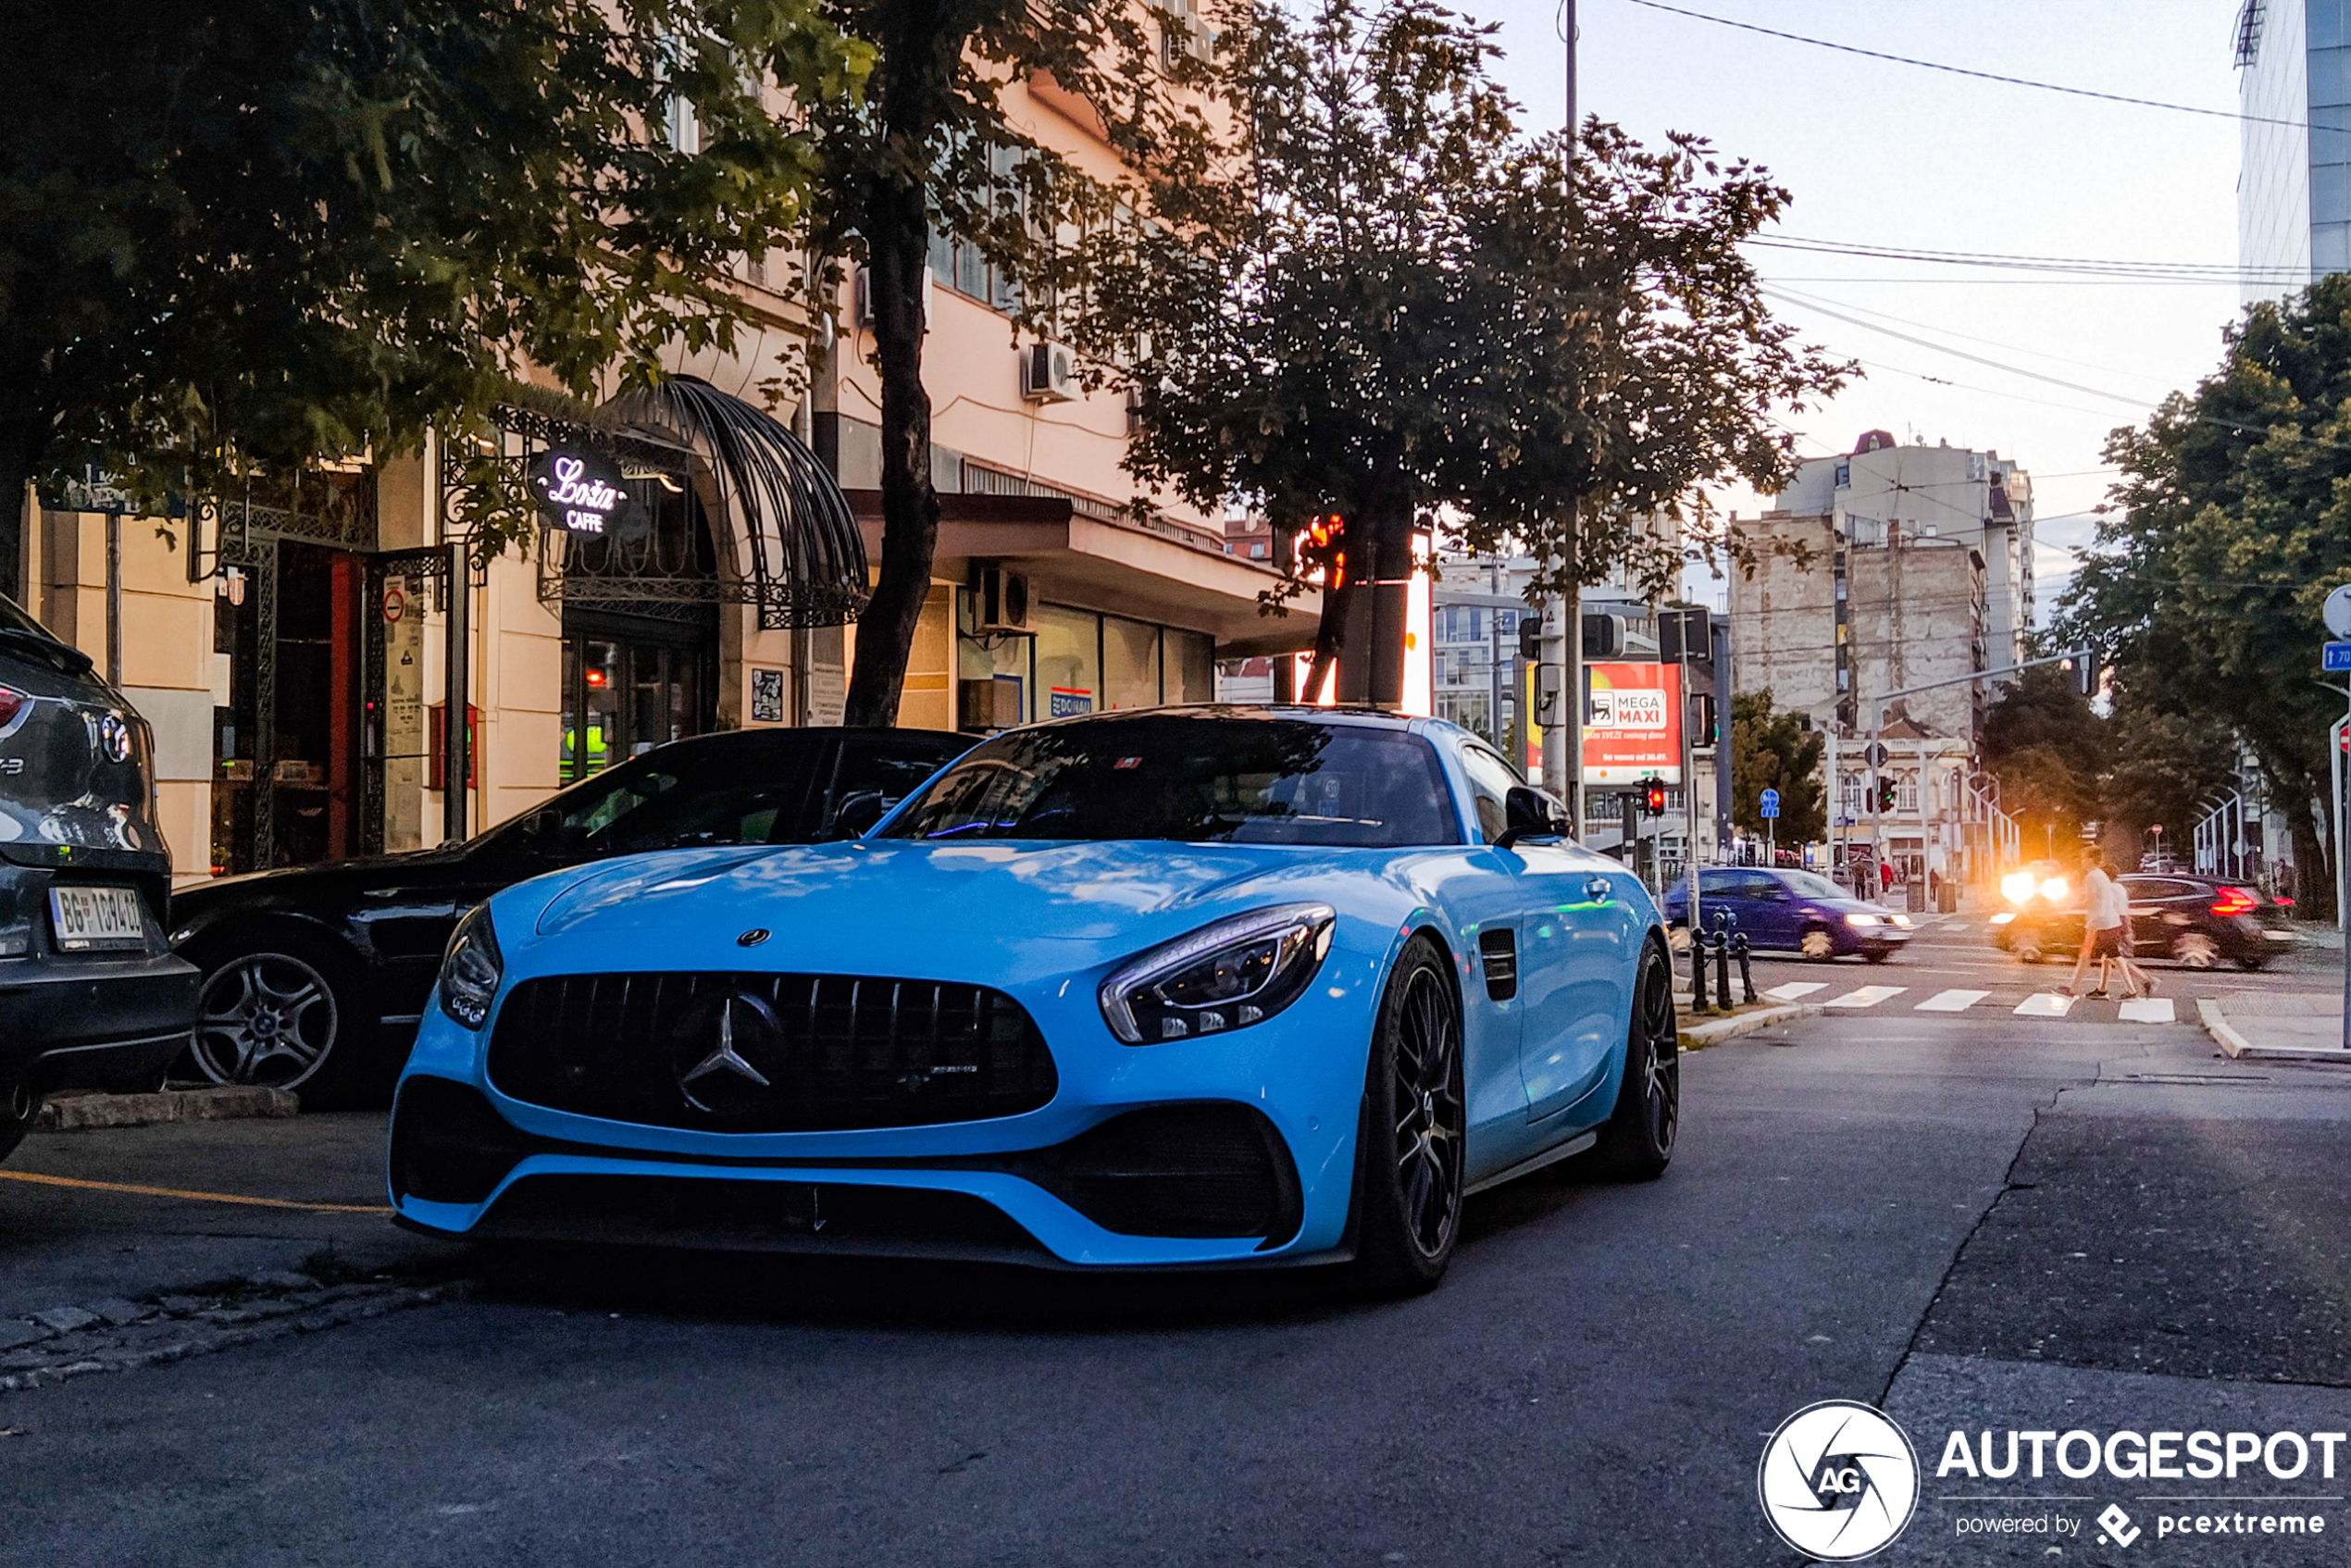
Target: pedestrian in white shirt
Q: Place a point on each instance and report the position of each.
(2106, 927)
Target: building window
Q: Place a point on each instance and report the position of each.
(1068, 662)
(1905, 794)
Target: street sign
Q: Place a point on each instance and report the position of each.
(2338, 656)
(1874, 754)
(1771, 804)
(2338, 611)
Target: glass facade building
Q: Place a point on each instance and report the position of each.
(2294, 188)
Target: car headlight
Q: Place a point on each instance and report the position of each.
(1901, 920)
(2017, 887)
(1227, 976)
(1858, 919)
(471, 969)
(2054, 889)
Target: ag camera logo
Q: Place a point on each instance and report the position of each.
(1839, 1481)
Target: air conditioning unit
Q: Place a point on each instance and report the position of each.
(1048, 373)
(1002, 601)
(862, 297)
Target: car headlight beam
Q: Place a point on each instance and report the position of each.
(1858, 919)
(471, 969)
(1224, 976)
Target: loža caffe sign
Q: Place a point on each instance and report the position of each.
(579, 491)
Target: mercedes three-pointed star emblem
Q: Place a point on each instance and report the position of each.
(724, 1057)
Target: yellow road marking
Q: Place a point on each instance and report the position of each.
(197, 1197)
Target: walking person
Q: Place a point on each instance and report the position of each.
(2105, 931)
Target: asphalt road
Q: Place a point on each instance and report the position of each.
(1972, 1220)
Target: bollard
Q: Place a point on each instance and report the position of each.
(1746, 973)
(1723, 959)
(1698, 968)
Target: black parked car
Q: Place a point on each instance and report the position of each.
(314, 976)
(91, 996)
(2197, 922)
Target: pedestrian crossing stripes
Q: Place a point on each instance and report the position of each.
(2149, 1010)
(1796, 990)
(1952, 1001)
(1868, 996)
(2045, 1004)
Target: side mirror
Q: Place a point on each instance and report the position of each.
(858, 813)
(549, 836)
(1527, 815)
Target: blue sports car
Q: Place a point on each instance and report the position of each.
(1178, 988)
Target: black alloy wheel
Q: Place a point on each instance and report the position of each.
(1637, 1142)
(20, 1108)
(281, 1010)
(1408, 1180)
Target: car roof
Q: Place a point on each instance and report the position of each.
(1365, 717)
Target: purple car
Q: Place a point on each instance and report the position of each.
(1798, 911)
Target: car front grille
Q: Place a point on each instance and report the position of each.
(750, 1053)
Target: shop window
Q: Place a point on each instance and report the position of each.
(1130, 664)
(1068, 661)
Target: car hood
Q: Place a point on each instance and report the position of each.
(877, 900)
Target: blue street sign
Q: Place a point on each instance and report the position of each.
(1771, 802)
(2338, 656)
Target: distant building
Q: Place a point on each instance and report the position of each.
(2293, 183)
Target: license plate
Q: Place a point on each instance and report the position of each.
(97, 917)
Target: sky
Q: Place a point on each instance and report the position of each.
(1891, 154)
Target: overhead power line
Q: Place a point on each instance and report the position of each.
(2154, 271)
(1985, 75)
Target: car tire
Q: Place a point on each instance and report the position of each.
(2194, 949)
(1409, 1165)
(19, 1109)
(2251, 965)
(2027, 949)
(1817, 944)
(1877, 955)
(1637, 1143)
(286, 1009)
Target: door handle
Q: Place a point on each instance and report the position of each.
(1597, 889)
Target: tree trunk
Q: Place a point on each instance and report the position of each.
(21, 448)
(897, 242)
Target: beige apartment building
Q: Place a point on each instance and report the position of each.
(294, 652)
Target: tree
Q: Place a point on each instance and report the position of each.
(931, 150)
(1407, 309)
(236, 238)
(2048, 750)
(1776, 751)
(2166, 767)
(2229, 525)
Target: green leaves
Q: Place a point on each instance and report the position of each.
(1771, 750)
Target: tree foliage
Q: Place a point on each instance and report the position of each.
(932, 149)
(1403, 305)
(2165, 769)
(240, 237)
(2230, 523)
(1771, 750)
(2048, 748)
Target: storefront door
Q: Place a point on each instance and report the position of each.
(632, 684)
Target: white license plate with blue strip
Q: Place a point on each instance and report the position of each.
(85, 918)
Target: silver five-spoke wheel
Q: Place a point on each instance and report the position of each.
(267, 1018)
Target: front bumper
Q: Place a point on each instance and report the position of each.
(1235, 1150)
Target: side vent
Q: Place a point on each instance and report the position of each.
(1498, 951)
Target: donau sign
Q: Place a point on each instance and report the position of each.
(580, 491)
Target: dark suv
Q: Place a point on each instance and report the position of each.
(2194, 921)
(90, 995)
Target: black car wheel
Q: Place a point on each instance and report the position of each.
(1637, 1142)
(20, 1108)
(2194, 949)
(279, 1011)
(2027, 949)
(1408, 1177)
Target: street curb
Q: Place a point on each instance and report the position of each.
(2236, 1046)
(80, 1112)
(1697, 1037)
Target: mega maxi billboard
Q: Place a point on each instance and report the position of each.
(1634, 730)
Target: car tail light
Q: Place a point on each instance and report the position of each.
(11, 701)
(2234, 900)
(2283, 901)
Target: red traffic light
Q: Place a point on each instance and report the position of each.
(1653, 797)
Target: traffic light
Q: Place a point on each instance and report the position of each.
(2083, 667)
(1603, 636)
(1652, 797)
(1530, 638)
(1885, 794)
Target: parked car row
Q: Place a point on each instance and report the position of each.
(2194, 921)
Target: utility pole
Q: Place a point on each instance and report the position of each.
(1563, 620)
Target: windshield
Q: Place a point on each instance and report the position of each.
(1193, 778)
(1809, 886)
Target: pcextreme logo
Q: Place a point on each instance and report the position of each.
(1839, 1481)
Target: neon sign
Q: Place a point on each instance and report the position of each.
(579, 491)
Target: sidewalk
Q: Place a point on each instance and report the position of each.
(2303, 1024)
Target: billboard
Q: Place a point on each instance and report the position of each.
(1635, 729)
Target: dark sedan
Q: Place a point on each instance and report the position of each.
(1797, 911)
(2197, 922)
(314, 976)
